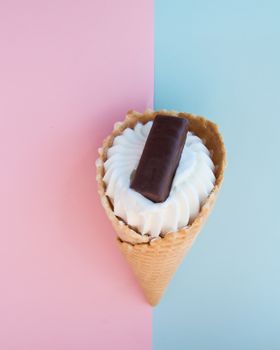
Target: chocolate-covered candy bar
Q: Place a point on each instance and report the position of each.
(160, 158)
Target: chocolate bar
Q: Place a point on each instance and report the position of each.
(160, 158)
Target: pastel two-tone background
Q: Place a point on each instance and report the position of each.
(68, 71)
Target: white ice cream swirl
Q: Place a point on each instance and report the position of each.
(193, 181)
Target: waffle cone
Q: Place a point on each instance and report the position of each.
(154, 261)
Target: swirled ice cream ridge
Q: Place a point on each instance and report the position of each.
(193, 181)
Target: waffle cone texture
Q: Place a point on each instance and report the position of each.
(154, 261)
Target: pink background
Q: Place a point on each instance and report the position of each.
(68, 69)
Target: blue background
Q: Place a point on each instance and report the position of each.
(221, 59)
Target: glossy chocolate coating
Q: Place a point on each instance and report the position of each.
(160, 158)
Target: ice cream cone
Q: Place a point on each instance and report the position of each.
(154, 261)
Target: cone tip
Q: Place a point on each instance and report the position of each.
(153, 300)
